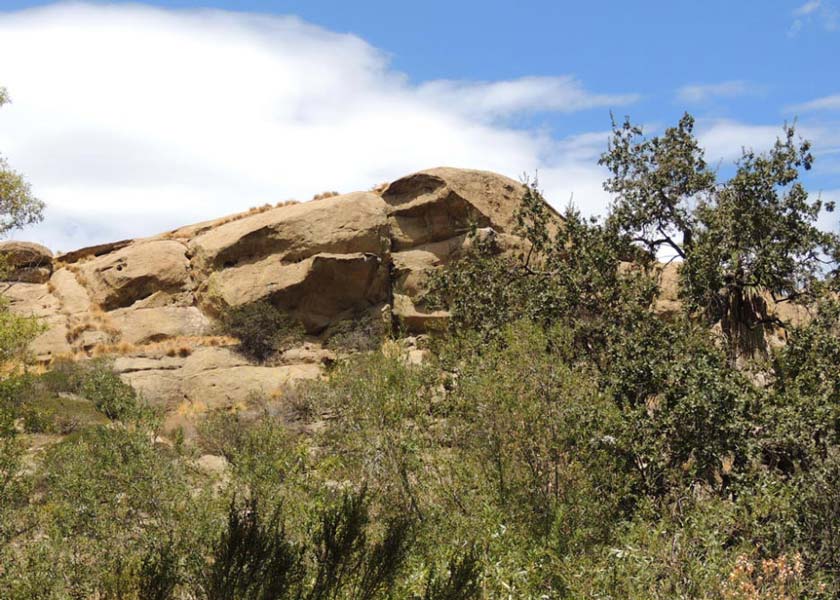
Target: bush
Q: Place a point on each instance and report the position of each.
(256, 559)
(261, 328)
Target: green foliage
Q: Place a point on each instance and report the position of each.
(362, 333)
(253, 560)
(685, 414)
(460, 582)
(18, 207)
(94, 381)
(562, 440)
(571, 273)
(256, 560)
(261, 328)
(752, 234)
(16, 333)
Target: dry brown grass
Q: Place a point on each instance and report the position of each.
(324, 195)
(181, 346)
(96, 320)
(780, 578)
(379, 188)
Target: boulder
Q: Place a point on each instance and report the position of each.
(31, 299)
(73, 297)
(53, 342)
(145, 325)
(26, 261)
(346, 224)
(416, 319)
(443, 203)
(120, 278)
(316, 290)
(228, 387)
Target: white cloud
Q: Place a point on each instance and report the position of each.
(824, 103)
(129, 120)
(807, 8)
(723, 139)
(503, 98)
(699, 93)
(821, 11)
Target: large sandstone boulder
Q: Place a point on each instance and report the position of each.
(74, 298)
(443, 203)
(146, 325)
(325, 262)
(346, 224)
(316, 290)
(120, 278)
(25, 262)
(210, 378)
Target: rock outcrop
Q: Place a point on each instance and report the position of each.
(26, 262)
(152, 303)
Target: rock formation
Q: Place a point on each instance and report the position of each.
(152, 303)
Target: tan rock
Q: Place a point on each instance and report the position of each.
(26, 261)
(120, 278)
(212, 464)
(145, 325)
(226, 387)
(92, 251)
(160, 388)
(132, 364)
(31, 299)
(418, 320)
(443, 203)
(347, 224)
(315, 290)
(308, 354)
(53, 342)
(211, 358)
(72, 295)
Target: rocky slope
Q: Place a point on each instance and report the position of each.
(152, 303)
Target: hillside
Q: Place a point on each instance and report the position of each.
(440, 390)
(334, 264)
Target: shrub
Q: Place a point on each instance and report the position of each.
(257, 559)
(261, 328)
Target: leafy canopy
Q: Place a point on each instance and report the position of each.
(18, 206)
(755, 232)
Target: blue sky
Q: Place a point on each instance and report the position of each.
(366, 90)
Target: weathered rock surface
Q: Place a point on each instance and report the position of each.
(208, 379)
(315, 290)
(26, 261)
(152, 303)
(346, 224)
(147, 325)
(121, 278)
(443, 203)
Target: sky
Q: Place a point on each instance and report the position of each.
(133, 118)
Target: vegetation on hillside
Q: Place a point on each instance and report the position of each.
(562, 441)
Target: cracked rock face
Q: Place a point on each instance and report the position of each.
(152, 303)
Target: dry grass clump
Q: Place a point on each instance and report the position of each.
(254, 210)
(120, 349)
(283, 203)
(379, 188)
(182, 346)
(777, 578)
(182, 350)
(324, 195)
(97, 320)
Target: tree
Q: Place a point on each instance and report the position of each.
(740, 240)
(18, 207)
